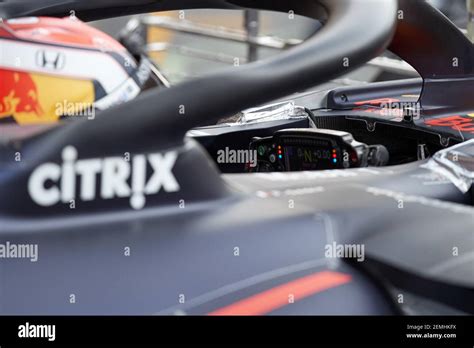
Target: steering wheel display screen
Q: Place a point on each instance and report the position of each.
(298, 158)
(304, 153)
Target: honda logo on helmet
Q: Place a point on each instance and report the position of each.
(52, 60)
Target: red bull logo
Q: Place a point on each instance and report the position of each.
(457, 123)
(18, 94)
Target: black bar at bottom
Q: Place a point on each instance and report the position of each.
(134, 330)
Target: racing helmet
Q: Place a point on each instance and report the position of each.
(52, 68)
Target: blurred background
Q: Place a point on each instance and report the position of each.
(191, 43)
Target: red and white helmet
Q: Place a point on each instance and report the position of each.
(56, 67)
